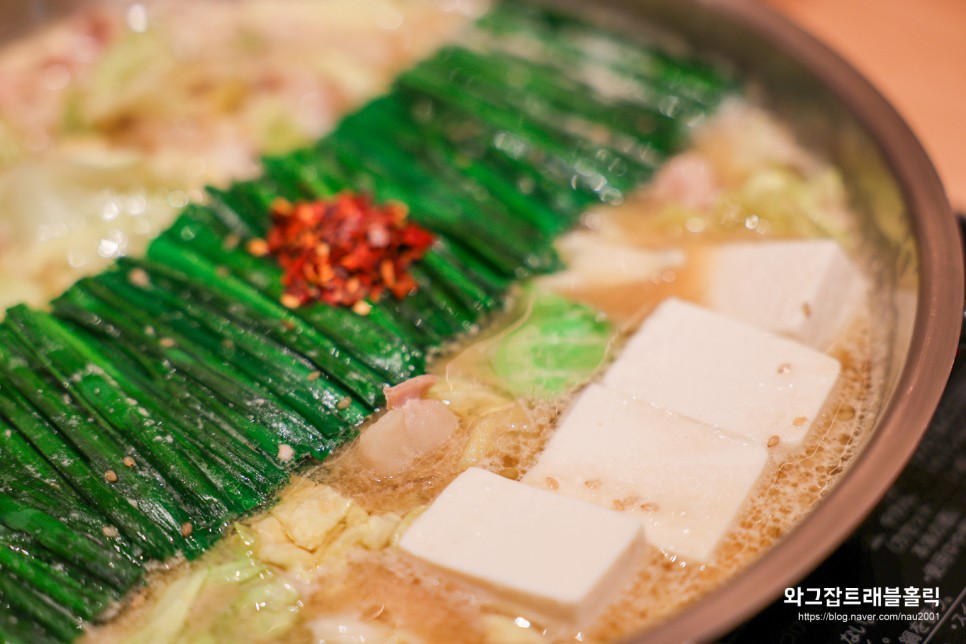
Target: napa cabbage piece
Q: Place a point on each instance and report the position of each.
(793, 204)
(250, 600)
(142, 83)
(74, 212)
(775, 201)
(170, 612)
(557, 346)
(497, 424)
(125, 81)
(254, 584)
(749, 173)
(313, 524)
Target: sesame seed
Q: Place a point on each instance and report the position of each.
(290, 301)
(361, 308)
(592, 484)
(799, 421)
(784, 368)
(807, 309)
(650, 507)
(773, 441)
(222, 271)
(129, 461)
(186, 529)
(231, 242)
(285, 452)
(167, 343)
(139, 277)
(110, 532)
(110, 476)
(552, 483)
(315, 375)
(618, 505)
(344, 403)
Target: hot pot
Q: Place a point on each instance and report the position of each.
(898, 194)
(842, 116)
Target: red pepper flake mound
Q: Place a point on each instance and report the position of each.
(343, 249)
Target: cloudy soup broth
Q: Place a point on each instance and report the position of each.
(357, 581)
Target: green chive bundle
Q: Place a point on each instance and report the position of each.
(161, 400)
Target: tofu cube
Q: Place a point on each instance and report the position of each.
(807, 290)
(681, 479)
(724, 373)
(533, 550)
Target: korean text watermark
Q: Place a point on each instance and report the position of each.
(875, 597)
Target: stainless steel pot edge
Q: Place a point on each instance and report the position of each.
(923, 378)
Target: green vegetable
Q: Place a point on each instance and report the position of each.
(159, 514)
(161, 400)
(776, 200)
(557, 346)
(152, 436)
(235, 599)
(208, 392)
(278, 601)
(169, 615)
(33, 606)
(791, 204)
(193, 247)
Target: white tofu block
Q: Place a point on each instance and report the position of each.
(683, 480)
(533, 550)
(804, 289)
(724, 373)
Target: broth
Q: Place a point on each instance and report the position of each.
(359, 587)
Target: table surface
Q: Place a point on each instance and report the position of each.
(915, 54)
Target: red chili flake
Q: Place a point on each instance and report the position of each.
(343, 250)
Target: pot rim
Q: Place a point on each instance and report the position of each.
(938, 319)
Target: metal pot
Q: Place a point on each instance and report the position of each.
(845, 119)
